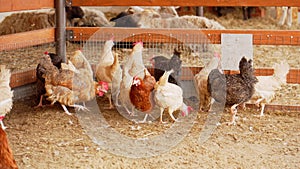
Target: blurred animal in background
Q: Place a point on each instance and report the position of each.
(125, 19)
(246, 10)
(141, 93)
(6, 96)
(73, 12)
(200, 82)
(162, 64)
(169, 96)
(7, 160)
(239, 87)
(91, 18)
(109, 70)
(266, 87)
(286, 16)
(40, 83)
(69, 86)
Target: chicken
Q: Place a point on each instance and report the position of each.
(162, 64)
(134, 64)
(109, 70)
(140, 93)
(7, 160)
(233, 90)
(266, 86)
(6, 101)
(124, 92)
(69, 87)
(169, 96)
(40, 84)
(200, 82)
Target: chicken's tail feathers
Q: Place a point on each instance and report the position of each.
(281, 70)
(4, 74)
(164, 78)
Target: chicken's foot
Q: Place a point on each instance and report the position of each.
(66, 110)
(80, 107)
(2, 125)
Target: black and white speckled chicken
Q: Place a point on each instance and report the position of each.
(239, 87)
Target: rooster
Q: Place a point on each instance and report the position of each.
(140, 93)
(233, 90)
(169, 96)
(109, 70)
(6, 101)
(200, 82)
(162, 64)
(7, 160)
(266, 86)
(69, 87)
(40, 84)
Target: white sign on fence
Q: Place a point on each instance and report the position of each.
(233, 48)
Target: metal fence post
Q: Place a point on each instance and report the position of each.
(60, 30)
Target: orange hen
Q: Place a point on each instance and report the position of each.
(7, 160)
(140, 93)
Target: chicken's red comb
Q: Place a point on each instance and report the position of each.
(46, 52)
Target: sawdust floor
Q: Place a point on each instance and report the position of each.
(48, 138)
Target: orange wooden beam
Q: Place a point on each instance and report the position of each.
(260, 37)
(18, 5)
(25, 39)
(186, 3)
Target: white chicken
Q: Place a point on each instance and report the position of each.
(6, 101)
(132, 67)
(109, 70)
(135, 63)
(267, 86)
(200, 82)
(169, 96)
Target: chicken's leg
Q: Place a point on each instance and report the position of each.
(161, 114)
(40, 102)
(79, 107)
(2, 125)
(171, 114)
(262, 109)
(233, 111)
(65, 109)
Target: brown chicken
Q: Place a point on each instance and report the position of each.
(7, 160)
(140, 93)
(109, 70)
(200, 82)
(69, 86)
(233, 90)
(6, 101)
(40, 83)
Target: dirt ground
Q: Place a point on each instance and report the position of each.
(48, 138)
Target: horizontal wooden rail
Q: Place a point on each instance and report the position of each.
(18, 5)
(186, 3)
(260, 37)
(25, 39)
(21, 78)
